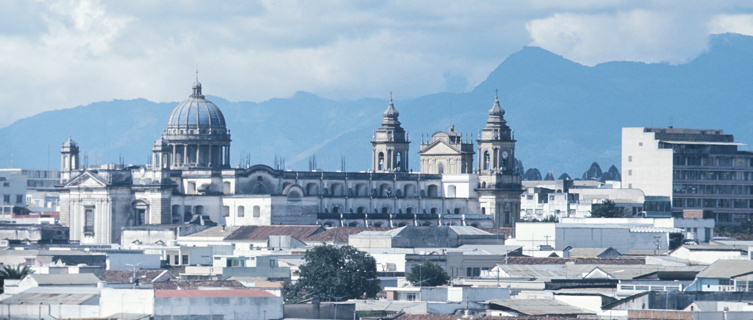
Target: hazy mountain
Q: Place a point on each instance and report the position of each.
(564, 115)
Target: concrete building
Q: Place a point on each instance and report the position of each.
(696, 169)
(190, 181)
(622, 234)
(568, 198)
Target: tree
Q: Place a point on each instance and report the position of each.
(17, 272)
(427, 274)
(606, 209)
(334, 274)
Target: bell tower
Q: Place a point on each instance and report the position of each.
(389, 146)
(69, 160)
(499, 186)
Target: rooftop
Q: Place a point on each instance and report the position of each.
(220, 293)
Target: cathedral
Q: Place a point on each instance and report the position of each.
(190, 181)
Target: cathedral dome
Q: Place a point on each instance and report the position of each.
(196, 112)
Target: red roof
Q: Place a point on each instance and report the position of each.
(258, 233)
(212, 293)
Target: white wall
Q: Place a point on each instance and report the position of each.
(644, 165)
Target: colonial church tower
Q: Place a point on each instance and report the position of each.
(389, 147)
(499, 187)
(69, 160)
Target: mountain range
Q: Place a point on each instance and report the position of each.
(564, 115)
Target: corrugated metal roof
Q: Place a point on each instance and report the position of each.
(725, 269)
(536, 307)
(52, 298)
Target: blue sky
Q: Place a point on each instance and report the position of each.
(60, 54)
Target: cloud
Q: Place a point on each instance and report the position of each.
(634, 35)
(735, 23)
(65, 53)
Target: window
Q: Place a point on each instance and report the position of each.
(191, 187)
(640, 144)
(486, 160)
(380, 162)
(184, 259)
(241, 212)
(630, 172)
(89, 221)
(19, 198)
(257, 212)
(225, 211)
(630, 158)
(440, 168)
(6, 198)
(226, 187)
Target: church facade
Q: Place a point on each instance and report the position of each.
(190, 180)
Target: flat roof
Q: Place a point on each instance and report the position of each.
(212, 293)
(715, 143)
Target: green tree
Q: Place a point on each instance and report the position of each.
(9, 272)
(606, 209)
(334, 274)
(427, 274)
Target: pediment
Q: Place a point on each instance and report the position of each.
(87, 180)
(440, 147)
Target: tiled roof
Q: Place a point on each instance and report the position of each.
(124, 276)
(260, 233)
(196, 284)
(340, 234)
(189, 293)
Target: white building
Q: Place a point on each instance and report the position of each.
(190, 181)
(563, 199)
(696, 169)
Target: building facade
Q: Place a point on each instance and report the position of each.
(190, 181)
(696, 169)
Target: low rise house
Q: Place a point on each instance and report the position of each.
(708, 254)
(725, 276)
(217, 304)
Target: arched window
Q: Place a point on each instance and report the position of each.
(486, 160)
(187, 214)
(409, 210)
(294, 195)
(457, 211)
(410, 191)
(385, 209)
(380, 161)
(483, 210)
(241, 212)
(433, 191)
(440, 168)
(433, 210)
(398, 160)
(361, 210)
(198, 210)
(257, 212)
(225, 211)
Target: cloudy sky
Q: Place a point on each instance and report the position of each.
(63, 54)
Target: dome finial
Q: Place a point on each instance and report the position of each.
(391, 111)
(197, 86)
(496, 109)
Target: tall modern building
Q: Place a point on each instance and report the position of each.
(190, 180)
(696, 169)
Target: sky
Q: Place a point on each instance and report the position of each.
(60, 54)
